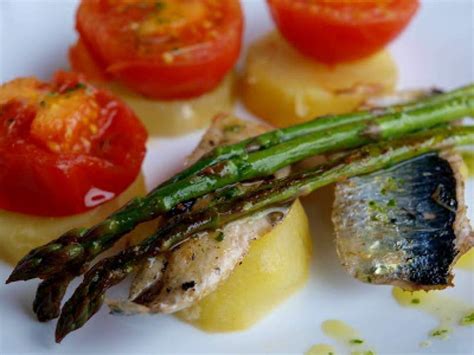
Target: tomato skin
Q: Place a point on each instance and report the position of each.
(38, 181)
(82, 62)
(338, 31)
(161, 81)
(191, 63)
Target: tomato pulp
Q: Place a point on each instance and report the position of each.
(65, 146)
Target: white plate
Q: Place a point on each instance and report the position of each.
(437, 49)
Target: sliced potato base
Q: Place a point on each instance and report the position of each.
(175, 117)
(284, 87)
(275, 267)
(19, 233)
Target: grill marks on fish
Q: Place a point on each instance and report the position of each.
(404, 226)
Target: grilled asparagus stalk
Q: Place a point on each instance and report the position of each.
(240, 162)
(89, 296)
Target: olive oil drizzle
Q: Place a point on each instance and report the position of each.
(466, 262)
(321, 349)
(449, 312)
(347, 336)
(468, 157)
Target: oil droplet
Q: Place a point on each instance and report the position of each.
(449, 312)
(425, 344)
(466, 261)
(339, 330)
(346, 336)
(321, 349)
(468, 158)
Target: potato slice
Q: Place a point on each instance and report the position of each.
(175, 117)
(276, 266)
(230, 279)
(19, 233)
(284, 87)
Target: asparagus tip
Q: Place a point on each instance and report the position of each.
(66, 325)
(45, 261)
(19, 273)
(26, 269)
(59, 336)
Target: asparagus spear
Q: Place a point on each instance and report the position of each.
(72, 251)
(272, 138)
(50, 292)
(89, 296)
(75, 252)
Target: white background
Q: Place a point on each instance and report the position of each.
(437, 49)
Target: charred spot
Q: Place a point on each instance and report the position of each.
(443, 197)
(436, 91)
(165, 266)
(215, 169)
(9, 121)
(150, 293)
(181, 208)
(187, 285)
(275, 217)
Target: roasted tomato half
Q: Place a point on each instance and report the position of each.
(65, 146)
(333, 31)
(166, 49)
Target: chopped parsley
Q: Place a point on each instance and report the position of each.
(439, 333)
(219, 237)
(392, 203)
(160, 5)
(78, 86)
(467, 319)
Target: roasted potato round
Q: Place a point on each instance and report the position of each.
(276, 266)
(19, 233)
(284, 87)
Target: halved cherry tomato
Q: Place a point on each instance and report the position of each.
(165, 49)
(334, 31)
(65, 147)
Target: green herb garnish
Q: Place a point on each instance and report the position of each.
(467, 319)
(160, 5)
(78, 86)
(392, 203)
(439, 333)
(219, 237)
